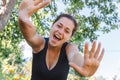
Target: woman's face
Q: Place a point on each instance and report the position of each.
(61, 31)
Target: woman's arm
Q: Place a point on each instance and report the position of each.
(26, 9)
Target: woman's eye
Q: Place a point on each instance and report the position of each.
(59, 26)
(67, 31)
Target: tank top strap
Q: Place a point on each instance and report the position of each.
(64, 45)
(63, 50)
(46, 43)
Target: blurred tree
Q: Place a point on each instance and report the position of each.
(6, 7)
(93, 16)
(10, 37)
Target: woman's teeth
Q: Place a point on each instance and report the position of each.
(57, 37)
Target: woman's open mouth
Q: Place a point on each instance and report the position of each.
(57, 37)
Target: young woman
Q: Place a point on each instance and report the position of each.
(53, 56)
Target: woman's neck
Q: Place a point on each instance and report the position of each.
(55, 49)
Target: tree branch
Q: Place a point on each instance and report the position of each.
(5, 12)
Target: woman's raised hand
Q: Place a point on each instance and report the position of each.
(92, 59)
(28, 7)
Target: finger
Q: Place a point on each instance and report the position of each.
(86, 51)
(101, 56)
(36, 2)
(41, 5)
(97, 51)
(93, 49)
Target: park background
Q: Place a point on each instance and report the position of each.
(16, 60)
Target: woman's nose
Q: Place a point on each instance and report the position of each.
(61, 31)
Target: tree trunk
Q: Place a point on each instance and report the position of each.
(5, 11)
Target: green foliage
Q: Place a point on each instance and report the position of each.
(100, 16)
(10, 38)
(92, 16)
(13, 71)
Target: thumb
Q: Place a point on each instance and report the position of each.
(79, 69)
(72, 64)
(75, 66)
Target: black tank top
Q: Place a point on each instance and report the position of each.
(40, 70)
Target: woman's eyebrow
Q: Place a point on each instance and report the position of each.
(61, 24)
